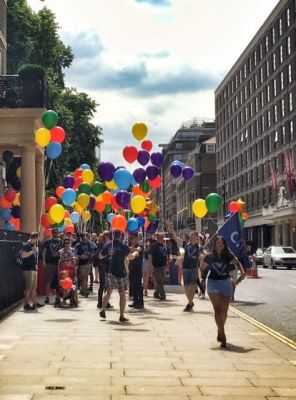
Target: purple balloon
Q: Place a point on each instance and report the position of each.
(143, 157)
(68, 182)
(152, 172)
(188, 173)
(176, 170)
(106, 171)
(123, 198)
(16, 183)
(157, 159)
(92, 202)
(152, 227)
(139, 175)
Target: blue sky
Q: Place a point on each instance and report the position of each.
(156, 61)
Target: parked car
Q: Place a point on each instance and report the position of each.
(258, 256)
(279, 256)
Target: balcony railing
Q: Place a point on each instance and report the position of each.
(15, 94)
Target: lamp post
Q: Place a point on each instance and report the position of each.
(224, 194)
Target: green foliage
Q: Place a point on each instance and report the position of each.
(31, 72)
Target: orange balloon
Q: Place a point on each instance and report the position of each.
(119, 223)
(147, 222)
(59, 191)
(100, 206)
(245, 215)
(4, 203)
(107, 197)
(67, 214)
(137, 190)
(114, 204)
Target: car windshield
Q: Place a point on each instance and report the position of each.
(259, 252)
(283, 250)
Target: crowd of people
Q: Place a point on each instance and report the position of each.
(131, 264)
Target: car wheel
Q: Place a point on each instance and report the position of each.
(272, 265)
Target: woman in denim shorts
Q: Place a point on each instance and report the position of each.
(219, 263)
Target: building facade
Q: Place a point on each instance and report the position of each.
(3, 43)
(256, 122)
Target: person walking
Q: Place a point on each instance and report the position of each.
(84, 250)
(135, 271)
(50, 260)
(190, 268)
(219, 263)
(103, 268)
(159, 256)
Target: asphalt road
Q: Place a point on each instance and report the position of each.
(271, 299)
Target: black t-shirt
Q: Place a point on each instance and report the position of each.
(137, 263)
(191, 256)
(116, 252)
(160, 254)
(83, 248)
(219, 268)
(175, 248)
(29, 263)
(52, 248)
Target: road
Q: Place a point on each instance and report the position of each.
(271, 299)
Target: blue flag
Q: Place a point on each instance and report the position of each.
(232, 233)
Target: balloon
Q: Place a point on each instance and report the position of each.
(67, 214)
(139, 175)
(130, 154)
(233, 206)
(7, 156)
(244, 215)
(16, 211)
(123, 178)
(67, 284)
(100, 206)
(50, 119)
(132, 224)
(175, 170)
(4, 203)
(54, 150)
(57, 213)
(50, 220)
(49, 202)
(188, 173)
(78, 182)
(57, 134)
(68, 222)
(88, 176)
(42, 137)
(16, 183)
(83, 200)
(92, 202)
(141, 221)
(9, 227)
(199, 208)
(68, 197)
(69, 181)
(70, 229)
(151, 217)
(59, 191)
(18, 172)
(157, 159)
(110, 217)
(75, 217)
(106, 171)
(137, 190)
(84, 166)
(85, 216)
(213, 202)
(119, 223)
(97, 188)
(114, 204)
(44, 221)
(145, 186)
(147, 145)
(147, 223)
(10, 195)
(143, 157)
(77, 173)
(84, 188)
(152, 227)
(241, 204)
(77, 207)
(138, 204)
(111, 184)
(107, 197)
(47, 233)
(5, 214)
(155, 183)
(178, 163)
(17, 200)
(139, 131)
(152, 172)
(123, 198)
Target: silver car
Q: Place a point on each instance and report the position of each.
(279, 256)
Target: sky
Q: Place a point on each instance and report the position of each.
(153, 61)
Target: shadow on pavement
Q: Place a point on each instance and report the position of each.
(235, 349)
(239, 303)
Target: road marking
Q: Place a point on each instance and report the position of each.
(265, 328)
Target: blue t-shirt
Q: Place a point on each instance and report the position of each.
(219, 268)
(83, 248)
(116, 252)
(191, 256)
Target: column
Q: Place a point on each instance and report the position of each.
(286, 234)
(39, 171)
(28, 195)
(277, 234)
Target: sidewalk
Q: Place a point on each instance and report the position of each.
(162, 353)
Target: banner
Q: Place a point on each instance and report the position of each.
(289, 165)
(273, 177)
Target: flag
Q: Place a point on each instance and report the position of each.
(289, 170)
(273, 176)
(232, 233)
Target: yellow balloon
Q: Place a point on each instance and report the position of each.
(83, 200)
(199, 208)
(17, 200)
(42, 137)
(111, 185)
(77, 207)
(85, 216)
(50, 220)
(68, 222)
(57, 213)
(88, 176)
(99, 197)
(138, 204)
(139, 131)
(241, 204)
(19, 172)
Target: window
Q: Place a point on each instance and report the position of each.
(268, 93)
(210, 148)
(282, 80)
(274, 88)
(276, 136)
(263, 123)
(246, 114)
(251, 110)
(261, 51)
(288, 17)
(289, 45)
(290, 101)
(268, 118)
(280, 27)
(291, 130)
(281, 54)
(246, 93)
(283, 107)
(255, 57)
(274, 61)
(179, 146)
(266, 44)
(256, 104)
(275, 114)
(262, 99)
(240, 76)
(289, 73)
(245, 71)
(273, 36)
(250, 86)
(283, 135)
(267, 68)
(261, 75)
(256, 81)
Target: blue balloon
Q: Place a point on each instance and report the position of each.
(178, 163)
(62, 228)
(84, 166)
(141, 221)
(68, 196)
(5, 214)
(132, 224)
(54, 150)
(75, 217)
(110, 216)
(123, 178)
(9, 227)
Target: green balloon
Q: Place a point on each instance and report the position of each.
(151, 217)
(145, 186)
(58, 225)
(108, 208)
(84, 188)
(50, 119)
(213, 202)
(242, 220)
(128, 214)
(97, 188)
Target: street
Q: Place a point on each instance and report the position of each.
(271, 299)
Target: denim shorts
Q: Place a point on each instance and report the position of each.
(222, 287)
(189, 276)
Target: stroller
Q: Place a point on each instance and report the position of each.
(66, 283)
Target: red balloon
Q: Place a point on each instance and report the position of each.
(78, 172)
(67, 283)
(70, 229)
(44, 221)
(47, 232)
(147, 145)
(130, 154)
(233, 207)
(78, 181)
(57, 134)
(155, 183)
(114, 204)
(10, 195)
(49, 202)
(100, 206)
(67, 214)
(119, 222)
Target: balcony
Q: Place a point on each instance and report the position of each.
(14, 93)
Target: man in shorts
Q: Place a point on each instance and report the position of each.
(135, 271)
(190, 268)
(83, 249)
(51, 258)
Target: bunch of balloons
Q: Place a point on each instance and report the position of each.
(51, 136)
(177, 168)
(238, 206)
(211, 204)
(10, 210)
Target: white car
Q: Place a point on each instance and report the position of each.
(279, 256)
